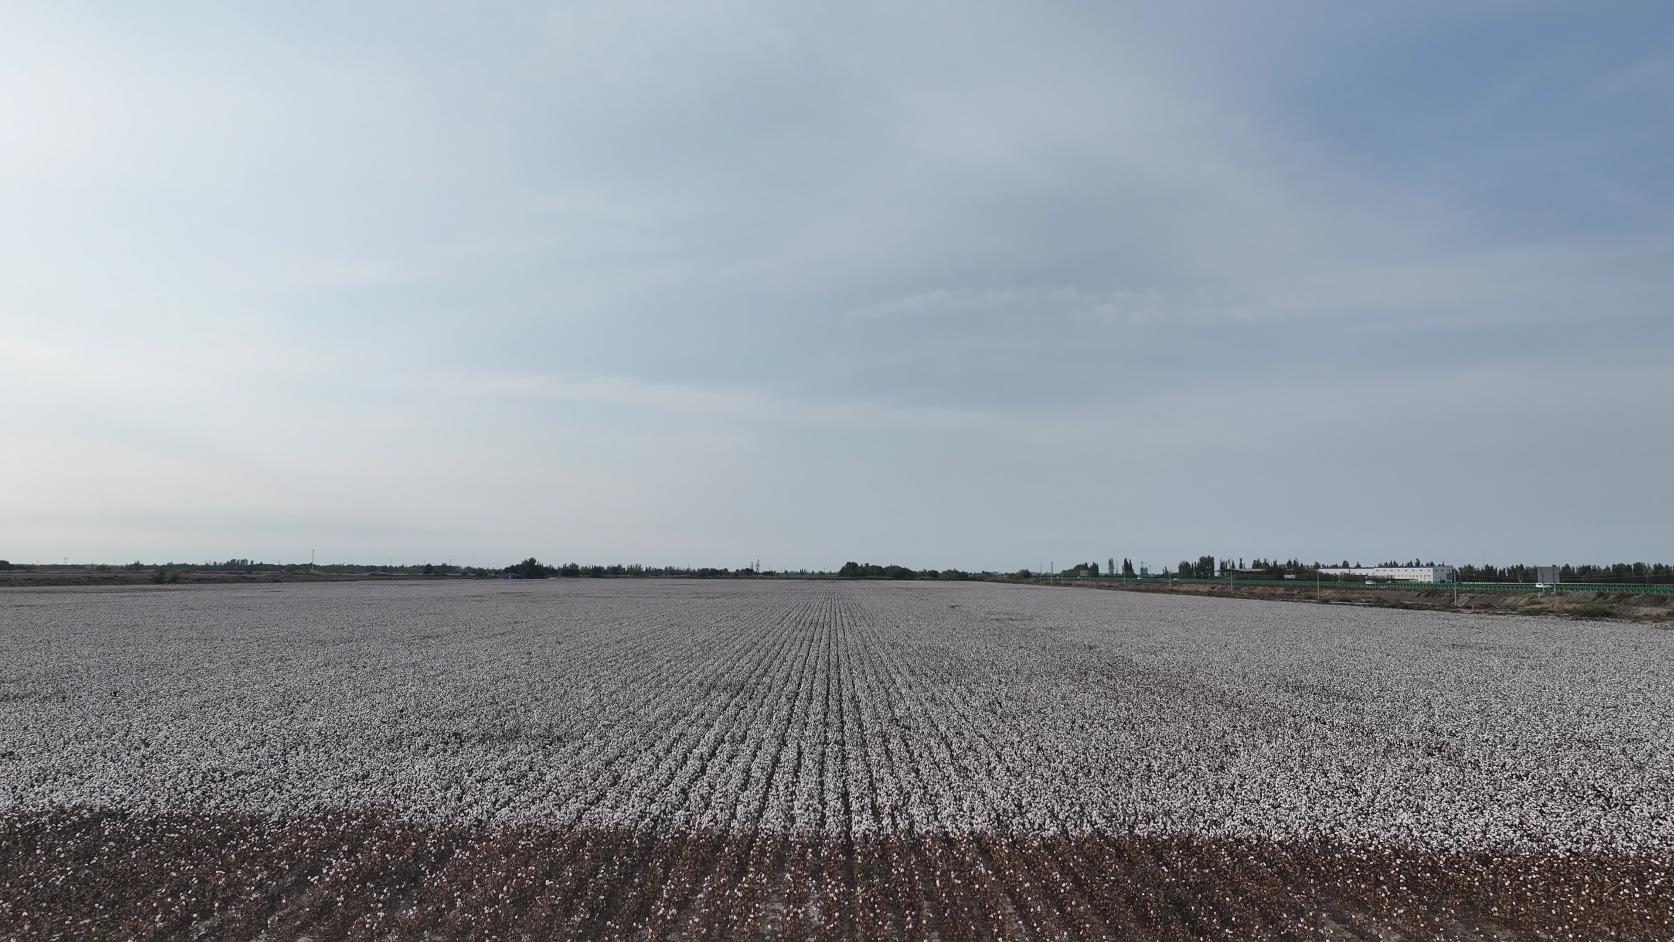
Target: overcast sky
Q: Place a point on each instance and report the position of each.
(973, 284)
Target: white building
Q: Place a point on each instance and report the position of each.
(1396, 573)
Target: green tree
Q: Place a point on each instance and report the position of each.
(530, 568)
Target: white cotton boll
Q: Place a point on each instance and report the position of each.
(762, 709)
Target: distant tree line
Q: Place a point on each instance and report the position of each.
(854, 570)
(1568, 572)
(1210, 566)
(240, 564)
(1204, 567)
(533, 568)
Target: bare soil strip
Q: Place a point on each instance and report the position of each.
(90, 874)
(1646, 607)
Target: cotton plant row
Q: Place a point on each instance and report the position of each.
(367, 876)
(841, 710)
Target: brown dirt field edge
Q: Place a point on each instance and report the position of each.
(102, 875)
(1617, 606)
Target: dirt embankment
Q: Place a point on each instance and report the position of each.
(1623, 606)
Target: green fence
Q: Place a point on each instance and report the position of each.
(1617, 587)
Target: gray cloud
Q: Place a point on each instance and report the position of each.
(961, 285)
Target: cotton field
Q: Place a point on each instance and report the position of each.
(655, 759)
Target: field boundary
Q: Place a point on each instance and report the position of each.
(1577, 602)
